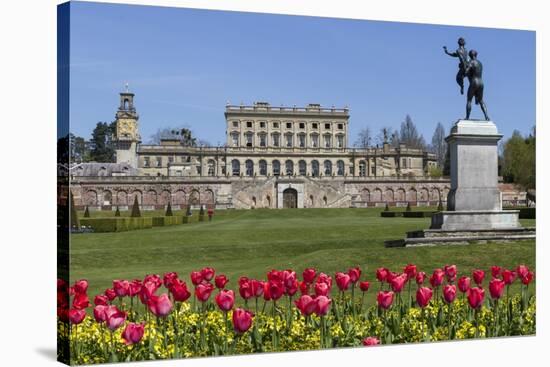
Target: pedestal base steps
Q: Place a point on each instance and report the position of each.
(432, 237)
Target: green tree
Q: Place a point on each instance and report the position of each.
(183, 134)
(74, 221)
(102, 142)
(519, 160)
(135, 209)
(169, 210)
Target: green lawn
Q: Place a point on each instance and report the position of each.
(251, 242)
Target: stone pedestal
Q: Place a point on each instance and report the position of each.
(474, 201)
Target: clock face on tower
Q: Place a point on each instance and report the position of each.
(126, 129)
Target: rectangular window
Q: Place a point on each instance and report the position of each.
(275, 125)
(198, 170)
(340, 126)
(262, 124)
(159, 161)
(302, 125)
(289, 141)
(263, 140)
(302, 141)
(340, 141)
(314, 125)
(235, 123)
(289, 125)
(327, 141)
(314, 141)
(170, 159)
(146, 162)
(327, 126)
(235, 138)
(276, 140)
(249, 124)
(248, 140)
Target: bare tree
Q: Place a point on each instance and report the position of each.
(439, 146)
(364, 138)
(410, 136)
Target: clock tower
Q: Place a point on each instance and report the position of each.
(127, 134)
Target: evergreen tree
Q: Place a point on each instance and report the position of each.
(447, 163)
(408, 207)
(86, 212)
(74, 221)
(102, 142)
(387, 208)
(135, 209)
(117, 212)
(169, 210)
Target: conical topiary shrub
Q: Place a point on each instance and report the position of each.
(169, 210)
(86, 212)
(117, 212)
(189, 212)
(387, 208)
(74, 222)
(440, 206)
(408, 207)
(135, 208)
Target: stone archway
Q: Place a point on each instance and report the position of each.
(290, 198)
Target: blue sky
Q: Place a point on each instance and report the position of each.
(184, 65)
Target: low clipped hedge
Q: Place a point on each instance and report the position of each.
(391, 214)
(525, 213)
(167, 221)
(117, 224)
(420, 214)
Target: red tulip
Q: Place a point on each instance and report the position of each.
(464, 284)
(364, 286)
(225, 300)
(370, 341)
(322, 289)
(133, 333)
(63, 300)
(208, 273)
(101, 299)
(354, 274)
(275, 275)
(71, 291)
(522, 271)
(391, 276)
(153, 278)
(160, 306)
(196, 277)
(423, 296)
(267, 296)
(289, 278)
(309, 275)
(99, 313)
(80, 286)
(304, 287)
(135, 287)
(382, 274)
(508, 276)
(242, 320)
(147, 291)
(63, 314)
(527, 278)
(62, 286)
(495, 271)
(221, 281)
(169, 279)
(420, 277)
(398, 283)
(450, 273)
(342, 281)
(257, 287)
(478, 276)
(322, 305)
(114, 318)
(121, 287)
(449, 293)
(324, 278)
(496, 288)
(179, 291)
(81, 301)
(306, 305)
(410, 270)
(437, 278)
(276, 289)
(203, 291)
(475, 297)
(76, 316)
(292, 288)
(245, 288)
(110, 293)
(385, 299)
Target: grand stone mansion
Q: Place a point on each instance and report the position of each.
(274, 157)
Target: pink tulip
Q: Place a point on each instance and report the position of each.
(322, 305)
(449, 293)
(114, 318)
(133, 333)
(423, 296)
(242, 320)
(160, 306)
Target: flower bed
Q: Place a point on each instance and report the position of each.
(159, 318)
